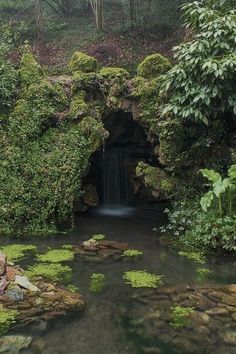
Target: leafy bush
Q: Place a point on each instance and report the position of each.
(202, 84)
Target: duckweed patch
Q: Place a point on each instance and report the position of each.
(56, 256)
(203, 273)
(193, 256)
(132, 253)
(72, 288)
(142, 279)
(97, 282)
(16, 252)
(56, 272)
(7, 318)
(180, 316)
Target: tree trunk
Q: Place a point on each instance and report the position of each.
(39, 18)
(99, 15)
(132, 13)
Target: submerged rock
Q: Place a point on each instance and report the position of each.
(13, 344)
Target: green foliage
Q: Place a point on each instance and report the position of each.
(55, 271)
(82, 62)
(56, 256)
(132, 253)
(7, 319)
(180, 316)
(78, 107)
(97, 282)
(221, 187)
(98, 237)
(8, 74)
(17, 251)
(153, 66)
(142, 279)
(30, 71)
(193, 256)
(201, 86)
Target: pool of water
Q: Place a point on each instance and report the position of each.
(99, 329)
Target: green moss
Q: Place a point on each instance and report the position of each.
(168, 185)
(132, 253)
(180, 316)
(30, 71)
(149, 173)
(97, 282)
(16, 252)
(153, 66)
(98, 237)
(84, 81)
(142, 279)
(94, 131)
(193, 256)
(7, 319)
(55, 271)
(56, 256)
(82, 62)
(78, 107)
(113, 73)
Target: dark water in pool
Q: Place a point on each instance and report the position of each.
(99, 330)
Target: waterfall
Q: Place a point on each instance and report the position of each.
(116, 186)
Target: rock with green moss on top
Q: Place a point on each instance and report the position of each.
(30, 71)
(94, 131)
(82, 62)
(98, 237)
(84, 81)
(78, 107)
(153, 66)
(113, 73)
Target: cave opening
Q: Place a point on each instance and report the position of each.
(112, 173)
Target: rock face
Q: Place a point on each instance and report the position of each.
(90, 196)
(3, 263)
(208, 327)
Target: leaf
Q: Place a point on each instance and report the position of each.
(232, 171)
(206, 200)
(211, 175)
(220, 187)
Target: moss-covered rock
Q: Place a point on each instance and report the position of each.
(82, 62)
(153, 66)
(30, 71)
(110, 73)
(84, 81)
(78, 107)
(94, 131)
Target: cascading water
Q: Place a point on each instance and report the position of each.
(117, 191)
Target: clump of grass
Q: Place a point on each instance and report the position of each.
(17, 251)
(98, 237)
(57, 256)
(142, 279)
(55, 271)
(132, 253)
(180, 316)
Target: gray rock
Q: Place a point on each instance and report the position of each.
(3, 263)
(24, 282)
(229, 337)
(15, 293)
(13, 344)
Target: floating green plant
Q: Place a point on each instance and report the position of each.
(7, 318)
(56, 256)
(132, 253)
(142, 279)
(68, 247)
(98, 237)
(97, 282)
(55, 271)
(193, 256)
(203, 273)
(180, 316)
(17, 251)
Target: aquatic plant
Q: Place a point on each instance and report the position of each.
(68, 247)
(98, 237)
(193, 256)
(16, 252)
(142, 279)
(7, 318)
(97, 282)
(55, 271)
(132, 253)
(72, 288)
(56, 256)
(180, 316)
(203, 273)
